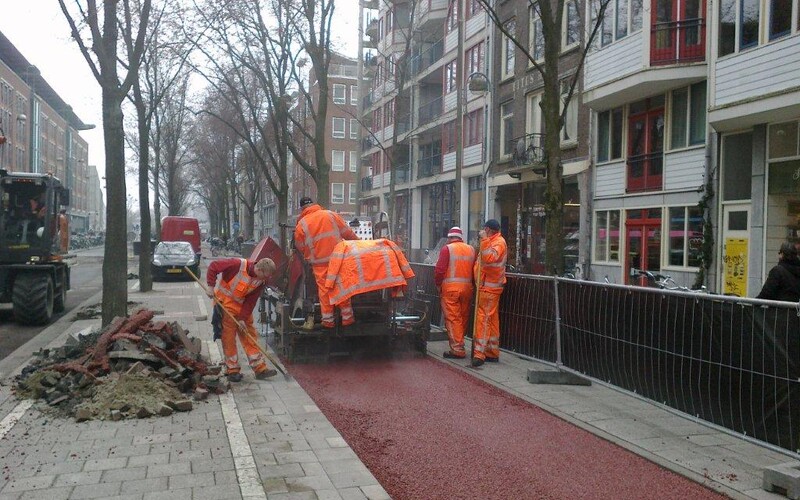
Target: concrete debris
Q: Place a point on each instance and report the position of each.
(134, 368)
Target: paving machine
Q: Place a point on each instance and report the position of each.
(387, 320)
(34, 275)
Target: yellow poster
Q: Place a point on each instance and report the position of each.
(735, 259)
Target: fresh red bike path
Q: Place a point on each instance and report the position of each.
(427, 430)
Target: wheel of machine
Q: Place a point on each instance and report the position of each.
(33, 298)
(60, 297)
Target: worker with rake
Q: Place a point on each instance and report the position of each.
(241, 282)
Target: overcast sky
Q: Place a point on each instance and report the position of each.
(39, 31)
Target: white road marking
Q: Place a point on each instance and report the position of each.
(246, 470)
(12, 418)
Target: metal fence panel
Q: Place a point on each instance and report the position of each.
(527, 320)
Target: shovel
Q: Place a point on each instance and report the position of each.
(266, 353)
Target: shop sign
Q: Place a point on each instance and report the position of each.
(735, 260)
(537, 211)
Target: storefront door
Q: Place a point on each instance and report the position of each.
(735, 248)
(643, 241)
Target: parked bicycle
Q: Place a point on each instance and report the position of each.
(664, 281)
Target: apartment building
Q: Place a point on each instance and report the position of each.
(646, 81)
(754, 114)
(341, 141)
(424, 147)
(42, 130)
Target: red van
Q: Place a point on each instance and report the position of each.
(174, 228)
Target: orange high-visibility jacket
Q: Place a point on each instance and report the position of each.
(459, 268)
(232, 293)
(493, 255)
(317, 233)
(363, 266)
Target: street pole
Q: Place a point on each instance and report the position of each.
(460, 103)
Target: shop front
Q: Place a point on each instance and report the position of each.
(523, 223)
(783, 189)
(438, 202)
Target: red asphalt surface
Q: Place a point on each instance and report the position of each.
(429, 431)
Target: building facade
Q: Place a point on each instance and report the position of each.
(42, 131)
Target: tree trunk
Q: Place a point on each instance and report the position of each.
(115, 264)
(145, 272)
(553, 204)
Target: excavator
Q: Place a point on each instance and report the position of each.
(387, 319)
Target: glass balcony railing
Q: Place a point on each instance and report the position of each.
(427, 58)
(678, 42)
(430, 166)
(430, 111)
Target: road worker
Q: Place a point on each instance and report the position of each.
(490, 275)
(453, 277)
(316, 234)
(241, 282)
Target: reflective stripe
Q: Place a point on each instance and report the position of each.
(228, 289)
(460, 253)
(385, 283)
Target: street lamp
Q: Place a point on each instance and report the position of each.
(479, 83)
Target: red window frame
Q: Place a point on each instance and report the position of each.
(473, 132)
(647, 227)
(676, 37)
(449, 77)
(473, 57)
(449, 137)
(645, 165)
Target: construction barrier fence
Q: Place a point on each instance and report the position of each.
(730, 361)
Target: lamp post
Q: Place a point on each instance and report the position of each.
(478, 82)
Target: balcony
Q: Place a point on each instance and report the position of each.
(677, 42)
(402, 124)
(432, 14)
(370, 4)
(430, 166)
(430, 111)
(645, 172)
(402, 173)
(367, 143)
(427, 58)
(372, 28)
(528, 150)
(366, 184)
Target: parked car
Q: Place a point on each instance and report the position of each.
(175, 228)
(170, 257)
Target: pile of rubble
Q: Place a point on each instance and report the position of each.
(134, 368)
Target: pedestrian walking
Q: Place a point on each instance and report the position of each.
(241, 282)
(316, 234)
(453, 277)
(490, 276)
(783, 280)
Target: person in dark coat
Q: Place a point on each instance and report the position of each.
(783, 281)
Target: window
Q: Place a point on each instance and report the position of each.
(606, 236)
(570, 31)
(569, 131)
(388, 113)
(780, 18)
(533, 121)
(354, 95)
(506, 128)
(451, 23)
(354, 161)
(473, 58)
(622, 17)
(449, 137)
(685, 236)
(337, 192)
(338, 128)
(739, 23)
(609, 135)
(339, 93)
(450, 77)
(377, 124)
(536, 34)
(352, 198)
(473, 131)
(737, 165)
(473, 7)
(337, 161)
(688, 116)
(354, 128)
(509, 50)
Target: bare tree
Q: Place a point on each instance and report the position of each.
(555, 103)
(99, 44)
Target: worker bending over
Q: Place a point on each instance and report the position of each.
(453, 277)
(490, 275)
(316, 234)
(240, 285)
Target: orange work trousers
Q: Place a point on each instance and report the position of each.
(486, 340)
(230, 331)
(346, 308)
(455, 301)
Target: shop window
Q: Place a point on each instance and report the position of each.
(609, 135)
(737, 154)
(685, 236)
(688, 120)
(783, 205)
(509, 50)
(506, 128)
(337, 193)
(339, 93)
(606, 236)
(783, 140)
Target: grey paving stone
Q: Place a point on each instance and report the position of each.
(303, 495)
(126, 474)
(145, 485)
(296, 457)
(328, 495)
(62, 493)
(282, 470)
(225, 477)
(105, 464)
(211, 465)
(347, 479)
(313, 469)
(103, 490)
(103, 434)
(341, 466)
(129, 451)
(156, 459)
(191, 480)
(322, 482)
(166, 470)
(29, 483)
(336, 454)
(188, 455)
(169, 495)
(224, 492)
(151, 439)
(375, 492)
(275, 485)
(78, 478)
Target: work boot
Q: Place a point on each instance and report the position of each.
(492, 360)
(234, 377)
(476, 362)
(309, 324)
(452, 355)
(266, 374)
